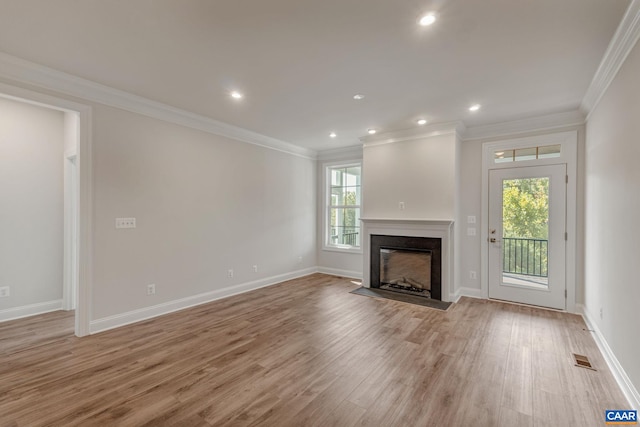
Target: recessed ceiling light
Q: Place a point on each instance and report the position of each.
(422, 122)
(371, 131)
(474, 107)
(236, 95)
(427, 19)
(358, 96)
(332, 135)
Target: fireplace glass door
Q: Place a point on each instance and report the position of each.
(407, 271)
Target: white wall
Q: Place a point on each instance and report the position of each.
(612, 205)
(31, 212)
(421, 173)
(203, 203)
(470, 205)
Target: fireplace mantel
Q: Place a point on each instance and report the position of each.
(411, 227)
(434, 222)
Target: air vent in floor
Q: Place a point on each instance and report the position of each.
(583, 361)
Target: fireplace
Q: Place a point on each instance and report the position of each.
(407, 264)
(439, 237)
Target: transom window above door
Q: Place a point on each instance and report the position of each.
(530, 153)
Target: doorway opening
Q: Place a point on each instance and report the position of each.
(74, 163)
(529, 233)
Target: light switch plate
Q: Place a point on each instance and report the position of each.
(471, 219)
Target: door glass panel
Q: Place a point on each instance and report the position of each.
(525, 231)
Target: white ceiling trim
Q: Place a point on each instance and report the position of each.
(436, 129)
(623, 41)
(531, 124)
(14, 69)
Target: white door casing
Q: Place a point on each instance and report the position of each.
(569, 156)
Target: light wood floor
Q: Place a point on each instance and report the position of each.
(306, 352)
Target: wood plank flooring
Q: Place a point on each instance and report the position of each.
(308, 353)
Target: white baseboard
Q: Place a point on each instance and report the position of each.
(111, 322)
(339, 272)
(629, 390)
(30, 310)
(466, 292)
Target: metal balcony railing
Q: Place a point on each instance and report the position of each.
(348, 238)
(525, 256)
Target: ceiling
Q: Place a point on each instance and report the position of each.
(299, 62)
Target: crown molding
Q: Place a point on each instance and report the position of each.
(623, 41)
(14, 69)
(342, 153)
(531, 124)
(457, 128)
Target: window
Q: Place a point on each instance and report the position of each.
(520, 154)
(343, 206)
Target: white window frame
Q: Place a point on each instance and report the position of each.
(326, 206)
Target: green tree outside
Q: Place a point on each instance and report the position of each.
(525, 216)
(345, 206)
(349, 221)
(525, 208)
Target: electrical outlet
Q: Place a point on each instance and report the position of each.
(125, 223)
(151, 289)
(299, 260)
(471, 231)
(472, 275)
(255, 268)
(401, 206)
(600, 313)
(471, 219)
(5, 292)
(230, 273)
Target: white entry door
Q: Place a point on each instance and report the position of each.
(527, 247)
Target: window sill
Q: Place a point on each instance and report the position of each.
(343, 249)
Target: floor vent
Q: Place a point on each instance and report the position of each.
(583, 362)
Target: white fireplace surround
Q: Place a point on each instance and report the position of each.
(442, 229)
